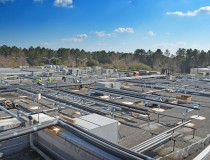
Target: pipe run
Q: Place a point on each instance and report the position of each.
(54, 101)
(26, 130)
(37, 149)
(8, 112)
(103, 144)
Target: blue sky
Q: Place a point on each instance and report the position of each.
(111, 25)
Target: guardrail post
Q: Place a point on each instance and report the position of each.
(194, 132)
(148, 120)
(174, 144)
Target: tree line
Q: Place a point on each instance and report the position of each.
(138, 60)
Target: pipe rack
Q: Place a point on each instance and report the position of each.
(107, 103)
(114, 149)
(177, 88)
(89, 109)
(26, 130)
(155, 141)
(136, 96)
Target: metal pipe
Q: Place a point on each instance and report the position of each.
(26, 130)
(59, 103)
(24, 113)
(158, 137)
(180, 125)
(117, 93)
(52, 151)
(107, 103)
(148, 142)
(53, 109)
(179, 88)
(157, 96)
(37, 149)
(155, 144)
(8, 112)
(105, 145)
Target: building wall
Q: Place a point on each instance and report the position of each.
(14, 145)
(66, 145)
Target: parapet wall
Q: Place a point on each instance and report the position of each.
(14, 145)
(189, 150)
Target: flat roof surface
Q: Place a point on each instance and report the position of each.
(136, 128)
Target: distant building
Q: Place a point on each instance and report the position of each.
(108, 71)
(201, 71)
(97, 69)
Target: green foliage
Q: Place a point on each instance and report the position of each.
(92, 62)
(139, 67)
(139, 60)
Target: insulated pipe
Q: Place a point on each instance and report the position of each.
(180, 125)
(105, 145)
(149, 141)
(154, 144)
(115, 92)
(108, 103)
(51, 100)
(161, 135)
(157, 96)
(24, 113)
(189, 91)
(37, 149)
(8, 112)
(53, 109)
(14, 115)
(26, 130)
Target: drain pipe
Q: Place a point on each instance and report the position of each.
(37, 149)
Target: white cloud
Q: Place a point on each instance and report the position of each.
(151, 34)
(103, 34)
(5, 1)
(64, 3)
(78, 38)
(121, 30)
(204, 10)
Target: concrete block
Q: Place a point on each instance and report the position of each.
(42, 117)
(6, 124)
